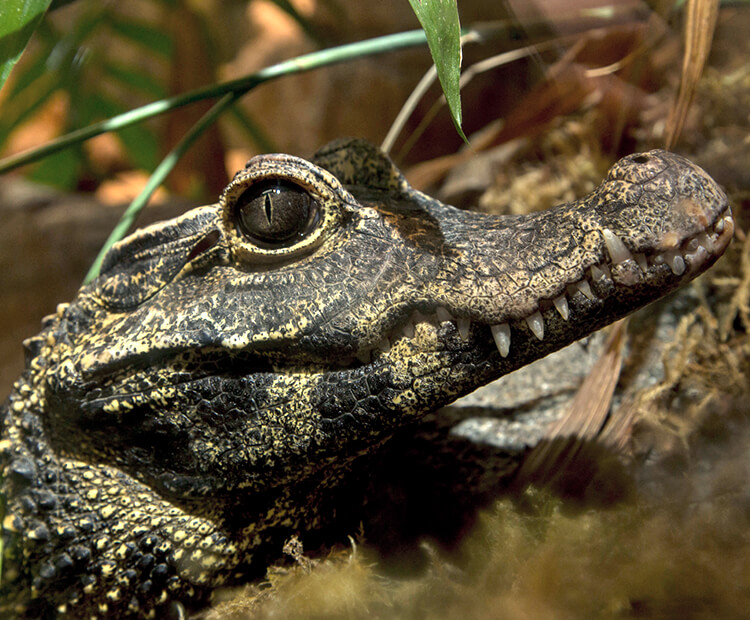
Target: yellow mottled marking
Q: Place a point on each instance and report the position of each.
(121, 552)
(101, 543)
(9, 524)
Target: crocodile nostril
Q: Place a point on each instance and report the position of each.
(640, 159)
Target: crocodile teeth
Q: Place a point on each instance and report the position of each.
(501, 334)
(463, 326)
(675, 261)
(442, 314)
(536, 324)
(706, 241)
(719, 226)
(600, 271)
(640, 258)
(408, 329)
(698, 254)
(616, 248)
(585, 288)
(596, 273)
(561, 303)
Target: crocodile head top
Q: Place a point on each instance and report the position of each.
(211, 388)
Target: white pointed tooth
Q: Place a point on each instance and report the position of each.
(501, 335)
(536, 324)
(659, 259)
(616, 248)
(442, 314)
(719, 226)
(706, 241)
(600, 271)
(698, 256)
(364, 356)
(678, 265)
(408, 329)
(463, 325)
(561, 303)
(585, 288)
(384, 345)
(675, 261)
(596, 273)
(640, 258)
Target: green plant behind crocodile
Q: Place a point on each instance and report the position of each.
(210, 392)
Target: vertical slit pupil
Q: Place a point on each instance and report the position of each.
(275, 212)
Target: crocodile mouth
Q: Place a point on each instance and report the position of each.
(619, 268)
(602, 295)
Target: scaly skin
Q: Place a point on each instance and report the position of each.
(211, 393)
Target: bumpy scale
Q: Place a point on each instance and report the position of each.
(209, 393)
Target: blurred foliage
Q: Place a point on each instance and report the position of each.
(92, 61)
(70, 58)
(102, 60)
(96, 68)
(18, 19)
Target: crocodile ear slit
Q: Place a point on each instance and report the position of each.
(135, 269)
(205, 244)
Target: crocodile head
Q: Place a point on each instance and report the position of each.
(228, 365)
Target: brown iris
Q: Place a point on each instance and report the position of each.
(275, 212)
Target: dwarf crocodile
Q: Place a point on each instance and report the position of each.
(211, 391)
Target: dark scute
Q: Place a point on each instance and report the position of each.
(356, 162)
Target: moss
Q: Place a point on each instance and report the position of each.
(652, 560)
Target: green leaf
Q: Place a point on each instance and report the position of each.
(143, 34)
(18, 19)
(238, 87)
(135, 79)
(58, 170)
(439, 19)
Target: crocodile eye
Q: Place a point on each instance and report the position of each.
(275, 213)
(279, 208)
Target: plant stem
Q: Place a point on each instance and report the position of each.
(238, 87)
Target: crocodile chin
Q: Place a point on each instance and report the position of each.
(222, 375)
